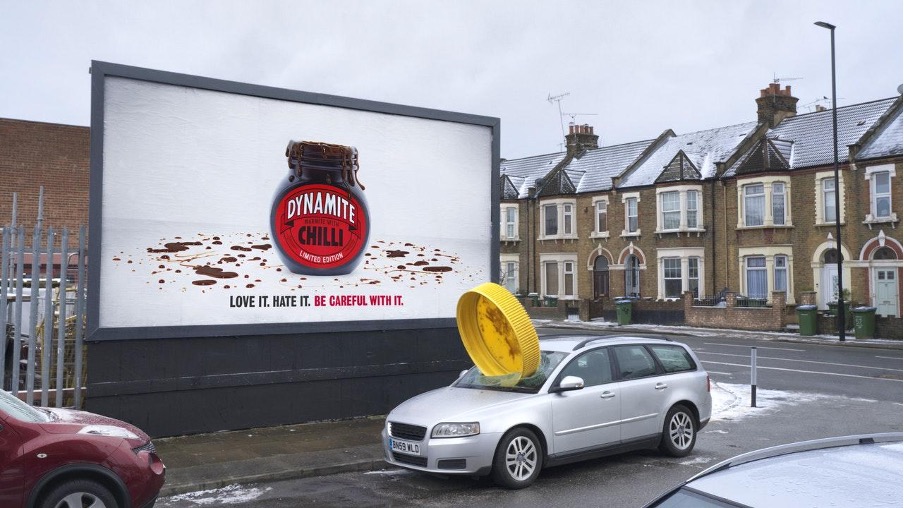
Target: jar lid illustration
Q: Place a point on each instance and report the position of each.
(497, 332)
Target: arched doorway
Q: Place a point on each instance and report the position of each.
(632, 276)
(828, 291)
(885, 281)
(600, 277)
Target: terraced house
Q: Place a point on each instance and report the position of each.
(744, 210)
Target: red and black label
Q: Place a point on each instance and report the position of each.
(320, 227)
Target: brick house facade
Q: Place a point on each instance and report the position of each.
(742, 209)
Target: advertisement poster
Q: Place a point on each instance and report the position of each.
(218, 204)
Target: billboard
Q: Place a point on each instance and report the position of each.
(222, 208)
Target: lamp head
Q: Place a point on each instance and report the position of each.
(825, 25)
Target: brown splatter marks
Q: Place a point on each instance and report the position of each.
(204, 282)
(212, 271)
(241, 248)
(437, 268)
(396, 253)
(173, 247)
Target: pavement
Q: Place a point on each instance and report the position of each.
(211, 461)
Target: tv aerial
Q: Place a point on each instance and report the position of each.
(558, 100)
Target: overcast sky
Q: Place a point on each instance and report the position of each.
(630, 68)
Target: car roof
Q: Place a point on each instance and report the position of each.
(568, 343)
(862, 470)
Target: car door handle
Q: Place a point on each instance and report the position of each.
(661, 386)
(607, 395)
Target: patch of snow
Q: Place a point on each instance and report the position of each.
(732, 401)
(697, 461)
(230, 494)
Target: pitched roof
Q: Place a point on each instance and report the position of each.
(598, 167)
(523, 173)
(812, 133)
(887, 139)
(702, 149)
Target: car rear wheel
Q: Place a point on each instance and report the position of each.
(518, 459)
(679, 432)
(79, 494)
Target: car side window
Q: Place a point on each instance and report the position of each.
(674, 358)
(634, 362)
(593, 367)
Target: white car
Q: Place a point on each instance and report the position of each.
(591, 396)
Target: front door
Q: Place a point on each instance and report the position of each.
(828, 292)
(589, 417)
(886, 292)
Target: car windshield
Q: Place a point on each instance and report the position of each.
(513, 382)
(19, 410)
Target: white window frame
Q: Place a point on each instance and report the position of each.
(626, 198)
(820, 197)
(769, 201)
(684, 254)
(562, 262)
(871, 175)
(505, 274)
(685, 192)
(597, 232)
(566, 227)
(770, 253)
(508, 230)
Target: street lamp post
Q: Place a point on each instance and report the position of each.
(841, 311)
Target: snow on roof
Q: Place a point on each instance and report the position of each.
(597, 167)
(887, 140)
(703, 148)
(525, 172)
(812, 133)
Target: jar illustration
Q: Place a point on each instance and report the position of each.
(319, 219)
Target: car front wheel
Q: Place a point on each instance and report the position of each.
(679, 432)
(518, 459)
(79, 494)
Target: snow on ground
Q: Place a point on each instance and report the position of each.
(230, 494)
(732, 401)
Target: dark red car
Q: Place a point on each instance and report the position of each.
(61, 458)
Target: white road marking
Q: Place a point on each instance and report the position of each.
(758, 347)
(804, 371)
(800, 361)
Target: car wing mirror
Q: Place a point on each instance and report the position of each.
(568, 384)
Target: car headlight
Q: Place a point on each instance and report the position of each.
(107, 430)
(456, 429)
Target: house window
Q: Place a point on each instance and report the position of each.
(778, 203)
(756, 276)
(631, 224)
(764, 203)
(680, 270)
(551, 277)
(602, 216)
(670, 203)
(550, 220)
(509, 223)
(754, 205)
(678, 209)
(693, 276)
(671, 274)
(568, 278)
(692, 221)
(567, 218)
(509, 272)
(559, 275)
(828, 200)
(558, 219)
(881, 195)
(780, 274)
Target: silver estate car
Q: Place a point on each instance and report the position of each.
(590, 397)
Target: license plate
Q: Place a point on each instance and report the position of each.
(404, 447)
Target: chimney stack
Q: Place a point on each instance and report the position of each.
(580, 138)
(774, 104)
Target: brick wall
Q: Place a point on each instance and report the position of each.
(739, 318)
(35, 154)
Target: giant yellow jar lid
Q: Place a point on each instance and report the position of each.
(497, 332)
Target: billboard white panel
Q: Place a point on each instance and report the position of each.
(187, 180)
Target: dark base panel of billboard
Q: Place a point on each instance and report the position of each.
(171, 387)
